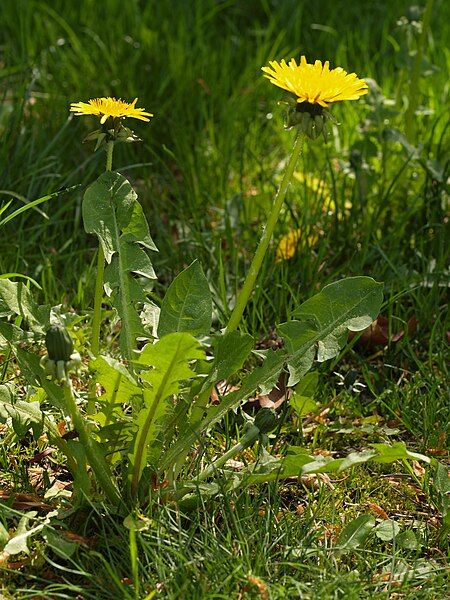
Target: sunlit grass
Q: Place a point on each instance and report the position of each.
(206, 176)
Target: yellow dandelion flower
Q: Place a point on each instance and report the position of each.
(318, 186)
(320, 189)
(287, 246)
(315, 83)
(110, 107)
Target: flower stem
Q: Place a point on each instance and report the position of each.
(250, 437)
(98, 297)
(109, 155)
(97, 315)
(94, 455)
(250, 280)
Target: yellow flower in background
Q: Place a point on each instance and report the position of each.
(320, 189)
(315, 83)
(110, 107)
(287, 246)
(319, 195)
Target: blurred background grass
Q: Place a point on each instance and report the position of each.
(207, 168)
(371, 201)
(210, 159)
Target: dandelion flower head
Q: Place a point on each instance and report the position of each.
(110, 107)
(315, 83)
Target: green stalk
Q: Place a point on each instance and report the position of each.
(414, 91)
(98, 297)
(196, 417)
(134, 560)
(61, 444)
(250, 280)
(94, 456)
(249, 439)
(109, 155)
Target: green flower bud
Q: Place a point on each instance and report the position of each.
(61, 357)
(59, 344)
(266, 420)
(309, 118)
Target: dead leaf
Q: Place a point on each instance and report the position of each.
(418, 469)
(61, 428)
(313, 480)
(222, 388)
(205, 87)
(214, 397)
(266, 402)
(412, 324)
(86, 542)
(36, 476)
(262, 587)
(274, 399)
(380, 512)
(18, 564)
(24, 501)
(330, 532)
(41, 455)
(377, 334)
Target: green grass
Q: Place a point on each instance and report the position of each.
(283, 537)
(206, 173)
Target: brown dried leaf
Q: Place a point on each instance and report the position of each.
(262, 587)
(274, 399)
(61, 428)
(412, 324)
(377, 334)
(41, 455)
(418, 469)
(18, 564)
(24, 501)
(380, 512)
(86, 542)
(266, 402)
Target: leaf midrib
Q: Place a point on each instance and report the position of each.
(218, 412)
(141, 440)
(123, 283)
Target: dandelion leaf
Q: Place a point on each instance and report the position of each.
(119, 391)
(324, 320)
(24, 415)
(356, 532)
(302, 400)
(350, 304)
(111, 211)
(263, 377)
(231, 350)
(164, 366)
(187, 305)
(17, 300)
(18, 541)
